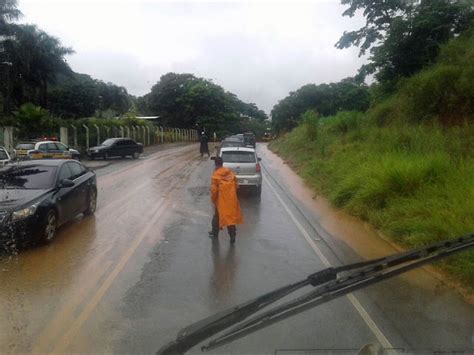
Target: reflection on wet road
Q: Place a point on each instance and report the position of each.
(225, 264)
(129, 278)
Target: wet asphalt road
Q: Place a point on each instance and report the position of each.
(129, 278)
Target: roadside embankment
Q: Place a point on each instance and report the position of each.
(415, 183)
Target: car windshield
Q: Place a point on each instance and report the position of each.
(238, 157)
(109, 142)
(345, 129)
(32, 177)
(26, 146)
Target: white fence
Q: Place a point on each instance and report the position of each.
(84, 136)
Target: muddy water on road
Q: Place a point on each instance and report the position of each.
(44, 289)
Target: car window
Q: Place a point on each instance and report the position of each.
(27, 146)
(65, 173)
(238, 157)
(28, 177)
(61, 147)
(122, 143)
(52, 146)
(109, 142)
(76, 169)
(130, 142)
(43, 147)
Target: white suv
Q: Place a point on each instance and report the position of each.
(245, 164)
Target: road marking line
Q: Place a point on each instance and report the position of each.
(353, 299)
(64, 342)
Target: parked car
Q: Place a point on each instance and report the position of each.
(45, 149)
(4, 157)
(116, 147)
(245, 164)
(38, 196)
(22, 148)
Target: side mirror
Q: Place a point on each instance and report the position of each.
(66, 183)
(259, 159)
(213, 158)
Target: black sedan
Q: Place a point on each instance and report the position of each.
(116, 147)
(38, 196)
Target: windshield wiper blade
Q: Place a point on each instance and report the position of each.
(206, 328)
(329, 285)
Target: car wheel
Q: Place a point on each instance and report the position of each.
(135, 155)
(49, 227)
(106, 156)
(76, 157)
(91, 202)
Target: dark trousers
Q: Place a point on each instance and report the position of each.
(215, 226)
(204, 149)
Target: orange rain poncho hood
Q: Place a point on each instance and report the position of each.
(224, 197)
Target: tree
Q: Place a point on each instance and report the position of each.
(185, 101)
(165, 99)
(325, 99)
(79, 95)
(37, 60)
(404, 37)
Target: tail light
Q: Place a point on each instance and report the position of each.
(258, 168)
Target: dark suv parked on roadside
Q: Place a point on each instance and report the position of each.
(116, 147)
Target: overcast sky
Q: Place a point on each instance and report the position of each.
(260, 50)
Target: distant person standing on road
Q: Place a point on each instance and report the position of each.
(224, 197)
(204, 148)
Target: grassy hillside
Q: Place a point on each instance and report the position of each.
(407, 165)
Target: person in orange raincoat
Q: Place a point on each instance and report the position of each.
(224, 197)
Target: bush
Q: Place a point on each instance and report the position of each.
(386, 112)
(434, 93)
(310, 121)
(344, 121)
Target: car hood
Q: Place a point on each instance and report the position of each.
(12, 199)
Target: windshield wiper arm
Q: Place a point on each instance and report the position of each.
(329, 285)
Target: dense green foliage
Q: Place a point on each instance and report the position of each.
(79, 95)
(407, 164)
(325, 99)
(444, 92)
(183, 100)
(403, 36)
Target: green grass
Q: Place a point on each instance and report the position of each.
(413, 181)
